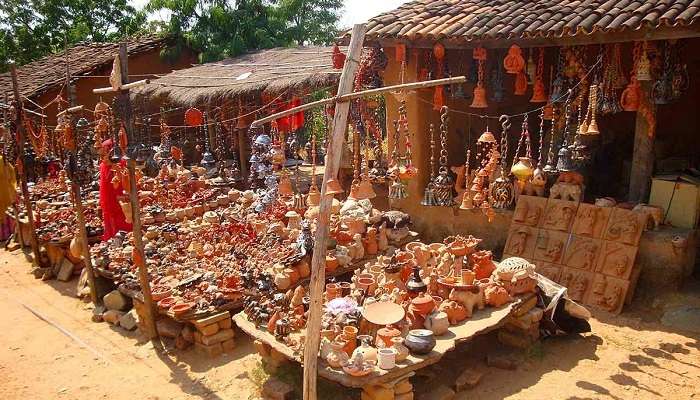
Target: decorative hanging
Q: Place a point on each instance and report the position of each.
(520, 84)
(429, 193)
(443, 181)
(522, 168)
(662, 89)
(439, 96)
(408, 171)
(501, 190)
(397, 189)
(314, 196)
(514, 62)
(467, 202)
(480, 89)
(538, 90)
(365, 189)
(564, 161)
(531, 67)
(338, 57)
(194, 117)
(497, 91)
(592, 110)
(378, 172)
(557, 87)
(643, 66)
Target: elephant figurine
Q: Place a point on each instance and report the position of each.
(469, 297)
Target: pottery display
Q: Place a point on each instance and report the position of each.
(386, 358)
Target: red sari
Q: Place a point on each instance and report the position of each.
(112, 214)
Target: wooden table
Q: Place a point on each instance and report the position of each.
(481, 322)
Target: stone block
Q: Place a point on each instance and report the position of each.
(221, 336)
(211, 319)
(377, 392)
(209, 350)
(403, 387)
(228, 345)
(208, 330)
(225, 323)
(115, 300)
(468, 379)
(169, 328)
(275, 389)
(112, 316)
(188, 333)
(66, 270)
(129, 320)
(441, 392)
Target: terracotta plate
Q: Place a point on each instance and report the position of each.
(383, 313)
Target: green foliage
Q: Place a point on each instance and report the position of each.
(309, 21)
(31, 29)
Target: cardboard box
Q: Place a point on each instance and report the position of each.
(679, 198)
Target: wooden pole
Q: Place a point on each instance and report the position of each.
(124, 100)
(313, 325)
(363, 93)
(643, 154)
(78, 199)
(20, 162)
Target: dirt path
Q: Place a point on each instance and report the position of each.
(623, 359)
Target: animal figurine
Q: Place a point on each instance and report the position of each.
(566, 191)
(356, 248)
(473, 296)
(382, 239)
(455, 311)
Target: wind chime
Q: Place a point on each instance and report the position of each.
(501, 190)
(479, 101)
(208, 160)
(429, 193)
(378, 172)
(443, 183)
(613, 80)
(539, 179)
(397, 189)
(402, 168)
(466, 201)
(564, 161)
(314, 197)
(589, 125)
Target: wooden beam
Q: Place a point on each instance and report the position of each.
(318, 278)
(71, 110)
(20, 162)
(150, 322)
(363, 93)
(643, 154)
(125, 86)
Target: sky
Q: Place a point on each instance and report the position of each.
(355, 10)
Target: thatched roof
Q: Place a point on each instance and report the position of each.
(271, 71)
(49, 72)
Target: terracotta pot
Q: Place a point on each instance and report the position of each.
(167, 302)
(345, 288)
(423, 304)
(181, 308)
(420, 341)
(366, 284)
(332, 291)
(331, 264)
(386, 335)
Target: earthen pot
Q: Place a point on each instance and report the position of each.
(386, 335)
(167, 302)
(423, 304)
(483, 264)
(331, 263)
(181, 308)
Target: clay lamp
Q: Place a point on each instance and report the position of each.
(181, 308)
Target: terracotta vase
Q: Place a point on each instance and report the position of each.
(386, 335)
(332, 291)
(331, 263)
(423, 304)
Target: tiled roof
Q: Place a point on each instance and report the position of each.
(475, 20)
(50, 71)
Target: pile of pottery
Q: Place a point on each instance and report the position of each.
(49, 188)
(56, 220)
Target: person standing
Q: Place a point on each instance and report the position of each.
(111, 190)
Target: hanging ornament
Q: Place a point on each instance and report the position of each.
(662, 89)
(514, 62)
(539, 179)
(443, 182)
(480, 89)
(520, 84)
(557, 87)
(365, 189)
(592, 110)
(497, 90)
(429, 193)
(564, 160)
(193, 117)
(631, 96)
(501, 190)
(531, 68)
(338, 57)
(467, 202)
(522, 168)
(208, 160)
(407, 170)
(314, 196)
(397, 189)
(538, 90)
(643, 68)
(101, 109)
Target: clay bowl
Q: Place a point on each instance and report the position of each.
(167, 302)
(160, 292)
(181, 308)
(383, 313)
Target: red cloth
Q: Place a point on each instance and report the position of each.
(112, 214)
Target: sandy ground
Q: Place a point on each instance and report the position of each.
(49, 349)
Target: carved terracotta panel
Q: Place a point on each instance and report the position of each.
(549, 270)
(625, 226)
(559, 215)
(550, 246)
(521, 241)
(577, 282)
(607, 293)
(529, 210)
(616, 260)
(591, 220)
(583, 253)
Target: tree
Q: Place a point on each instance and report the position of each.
(31, 29)
(309, 21)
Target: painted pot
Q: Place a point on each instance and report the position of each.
(420, 341)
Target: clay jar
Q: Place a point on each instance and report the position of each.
(386, 335)
(331, 263)
(401, 350)
(332, 291)
(423, 304)
(420, 341)
(368, 352)
(438, 322)
(483, 263)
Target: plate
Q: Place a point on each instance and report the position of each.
(383, 313)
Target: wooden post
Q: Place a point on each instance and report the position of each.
(78, 202)
(313, 326)
(643, 156)
(242, 153)
(20, 162)
(123, 94)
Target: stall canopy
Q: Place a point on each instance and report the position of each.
(270, 71)
(543, 21)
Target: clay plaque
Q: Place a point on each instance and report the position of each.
(625, 226)
(583, 253)
(521, 241)
(550, 246)
(607, 293)
(591, 220)
(577, 282)
(559, 215)
(549, 270)
(529, 210)
(616, 260)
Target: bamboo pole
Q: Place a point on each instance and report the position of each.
(125, 86)
(77, 197)
(313, 325)
(363, 93)
(150, 322)
(6, 106)
(20, 162)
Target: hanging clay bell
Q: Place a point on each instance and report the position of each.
(522, 170)
(429, 196)
(479, 97)
(314, 197)
(538, 94)
(365, 190)
(630, 96)
(486, 137)
(397, 190)
(467, 203)
(514, 61)
(520, 83)
(643, 68)
(333, 187)
(502, 192)
(593, 127)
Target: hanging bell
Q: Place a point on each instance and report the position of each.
(365, 190)
(333, 187)
(520, 83)
(522, 170)
(583, 128)
(538, 92)
(353, 195)
(467, 203)
(313, 199)
(557, 94)
(564, 161)
(442, 188)
(397, 190)
(429, 196)
(501, 192)
(643, 68)
(593, 127)
(479, 97)
(208, 160)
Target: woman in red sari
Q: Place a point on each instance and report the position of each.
(112, 214)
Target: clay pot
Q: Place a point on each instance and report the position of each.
(386, 335)
(368, 352)
(345, 288)
(332, 291)
(181, 308)
(423, 304)
(438, 322)
(420, 341)
(366, 284)
(337, 356)
(303, 268)
(331, 263)
(271, 323)
(401, 350)
(386, 358)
